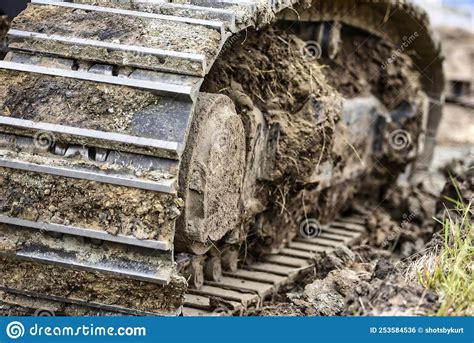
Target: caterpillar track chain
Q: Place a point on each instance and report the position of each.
(108, 149)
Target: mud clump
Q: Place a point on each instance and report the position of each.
(357, 286)
(4, 26)
(388, 297)
(385, 232)
(327, 295)
(291, 95)
(370, 65)
(367, 64)
(340, 257)
(402, 224)
(300, 113)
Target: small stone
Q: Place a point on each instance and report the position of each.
(325, 299)
(383, 268)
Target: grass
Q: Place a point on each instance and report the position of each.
(448, 267)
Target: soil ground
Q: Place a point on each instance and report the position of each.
(379, 276)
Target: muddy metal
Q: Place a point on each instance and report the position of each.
(144, 169)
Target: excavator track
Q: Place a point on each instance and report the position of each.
(248, 287)
(95, 132)
(237, 292)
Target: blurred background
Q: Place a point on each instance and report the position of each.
(453, 20)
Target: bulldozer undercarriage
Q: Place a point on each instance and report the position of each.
(191, 157)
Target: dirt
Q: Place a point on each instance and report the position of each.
(402, 226)
(81, 104)
(71, 102)
(117, 28)
(359, 68)
(363, 281)
(70, 246)
(299, 111)
(170, 10)
(78, 162)
(4, 27)
(368, 65)
(287, 93)
(87, 204)
(301, 102)
(93, 287)
(376, 278)
(120, 29)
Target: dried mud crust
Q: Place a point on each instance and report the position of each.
(211, 173)
(93, 287)
(88, 204)
(116, 28)
(70, 102)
